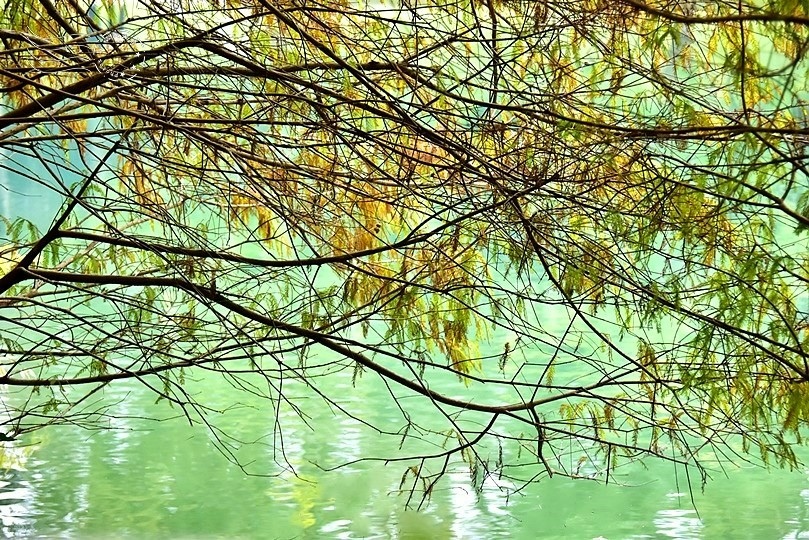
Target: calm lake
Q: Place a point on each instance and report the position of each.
(146, 479)
(168, 479)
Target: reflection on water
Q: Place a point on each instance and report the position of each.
(17, 496)
(16, 501)
(168, 479)
(678, 523)
(347, 447)
(465, 509)
(800, 523)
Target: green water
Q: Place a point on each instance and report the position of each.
(167, 479)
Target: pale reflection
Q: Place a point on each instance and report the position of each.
(15, 512)
(16, 494)
(349, 442)
(82, 504)
(800, 522)
(464, 510)
(494, 494)
(120, 426)
(680, 523)
(797, 534)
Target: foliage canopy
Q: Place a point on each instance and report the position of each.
(566, 229)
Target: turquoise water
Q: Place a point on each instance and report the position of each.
(144, 478)
(147, 479)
